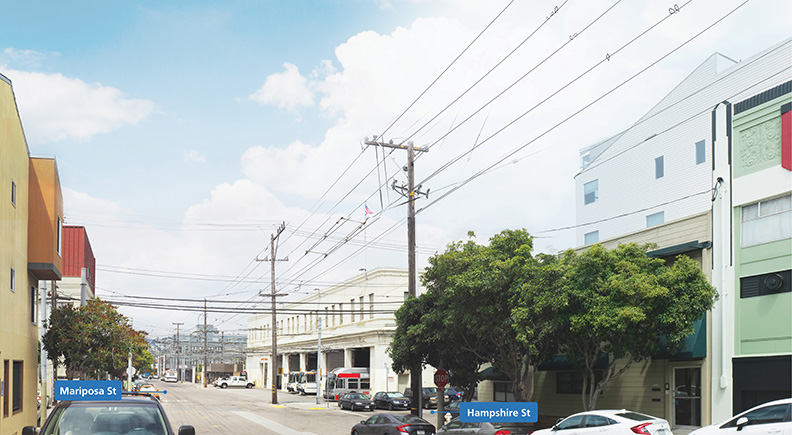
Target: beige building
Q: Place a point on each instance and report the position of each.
(31, 219)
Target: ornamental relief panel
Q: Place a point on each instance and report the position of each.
(761, 143)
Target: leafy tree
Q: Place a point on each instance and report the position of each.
(619, 302)
(93, 340)
(465, 316)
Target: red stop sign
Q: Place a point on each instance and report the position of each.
(441, 378)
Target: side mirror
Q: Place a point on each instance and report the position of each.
(29, 430)
(363, 422)
(741, 423)
(186, 430)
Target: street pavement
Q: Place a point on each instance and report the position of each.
(250, 411)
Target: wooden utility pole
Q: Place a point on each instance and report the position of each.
(274, 329)
(410, 192)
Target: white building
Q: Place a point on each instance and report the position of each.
(660, 168)
(358, 324)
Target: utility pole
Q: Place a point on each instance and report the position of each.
(272, 260)
(410, 191)
(178, 366)
(206, 354)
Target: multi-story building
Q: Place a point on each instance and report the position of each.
(689, 176)
(77, 256)
(31, 220)
(187, 352)
(357, 325)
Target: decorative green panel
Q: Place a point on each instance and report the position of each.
(757, 138)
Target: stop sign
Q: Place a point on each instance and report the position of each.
(441, 378)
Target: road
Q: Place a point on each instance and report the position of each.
(215, 411)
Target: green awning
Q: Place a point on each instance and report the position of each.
(492, 374)
(693, 348)
(562, 363)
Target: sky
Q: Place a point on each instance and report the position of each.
(186, 133)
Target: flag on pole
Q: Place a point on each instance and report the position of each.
(366, 210)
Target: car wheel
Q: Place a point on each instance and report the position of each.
(354, 432)
(249, 386)
(223, 386)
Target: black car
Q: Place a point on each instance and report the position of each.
(455, 426)
(141, 415)
(379, 424)
(391, 400)
(353, 401)
(453, 393)
(429, 396)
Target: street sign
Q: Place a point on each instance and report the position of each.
(131, 371)
(441, 378)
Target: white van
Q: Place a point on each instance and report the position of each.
(171, 377)
(307, 384)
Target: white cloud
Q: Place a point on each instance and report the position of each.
(55, 107)
(27, 58)
(287, 90)
(193, 156)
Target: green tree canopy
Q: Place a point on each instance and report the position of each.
(94, 339)
(465, 316)
(617, 302)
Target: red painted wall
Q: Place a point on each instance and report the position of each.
(77, 253)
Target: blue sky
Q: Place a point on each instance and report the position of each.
(186, 131)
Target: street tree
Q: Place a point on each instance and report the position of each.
(93, 340)
(465, 316)
(618, 303)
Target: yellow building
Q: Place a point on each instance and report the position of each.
(31, 217)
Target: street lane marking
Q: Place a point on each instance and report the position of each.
(269, 424)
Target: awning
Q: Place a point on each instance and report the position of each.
(562, 363)
(693, 348)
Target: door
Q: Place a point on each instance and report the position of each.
(687, 396)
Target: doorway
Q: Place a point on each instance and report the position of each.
(687, 396)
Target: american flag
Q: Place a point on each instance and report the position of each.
(367, 210)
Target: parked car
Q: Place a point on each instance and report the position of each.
(379, 424)
(353, 401)
(453, 394)
(429, 396)
(171, 377)
(233, 381)
(457, 427)
(150, 389)
(391, 400)
(767, 418)
(610, 422)
(132, 414)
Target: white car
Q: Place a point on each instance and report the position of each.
(609, 422)
(233, 381)
(769, 418)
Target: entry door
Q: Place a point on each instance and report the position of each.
(687, 396)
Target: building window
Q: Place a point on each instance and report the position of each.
(361, 308)
(591, 238)
(591, 192)
(59, 233)
(701, 155)
(655, 219)
(16, 393)
(767, 221)
(502, 392)
(340, 314)
(5, 392)
(33, 305)
(371, 305)
(352, 308)
(572, 382)
(13, 193)
(585, 160)
(659, 169)
(13, 280)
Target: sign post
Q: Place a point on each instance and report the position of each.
(440, 380)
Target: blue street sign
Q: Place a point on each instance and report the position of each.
(499, 412)
(87, 390)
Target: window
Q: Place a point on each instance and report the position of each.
(598, 421)
(585, 160)
(361, 308)
(655, 219)
(5, 392)
(371, 305)
(352, 308)
(573, 422)
(765, 415)
(659, 170)
(701, 157)
(13, 280)
(33, 304)
(16, 393)
(340, 314)
(591, 192)
(503, 392)
(13, 193)
(572, 382)
(767, 221)
(58, 235)
(591, 238)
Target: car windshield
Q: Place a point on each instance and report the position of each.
(357, 396)
(409, 418)
(89, 418)
(395, 395)
(431, 390)
(635, 416)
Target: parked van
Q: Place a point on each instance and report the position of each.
(294, 379)
(346, 380)
(307, 384)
